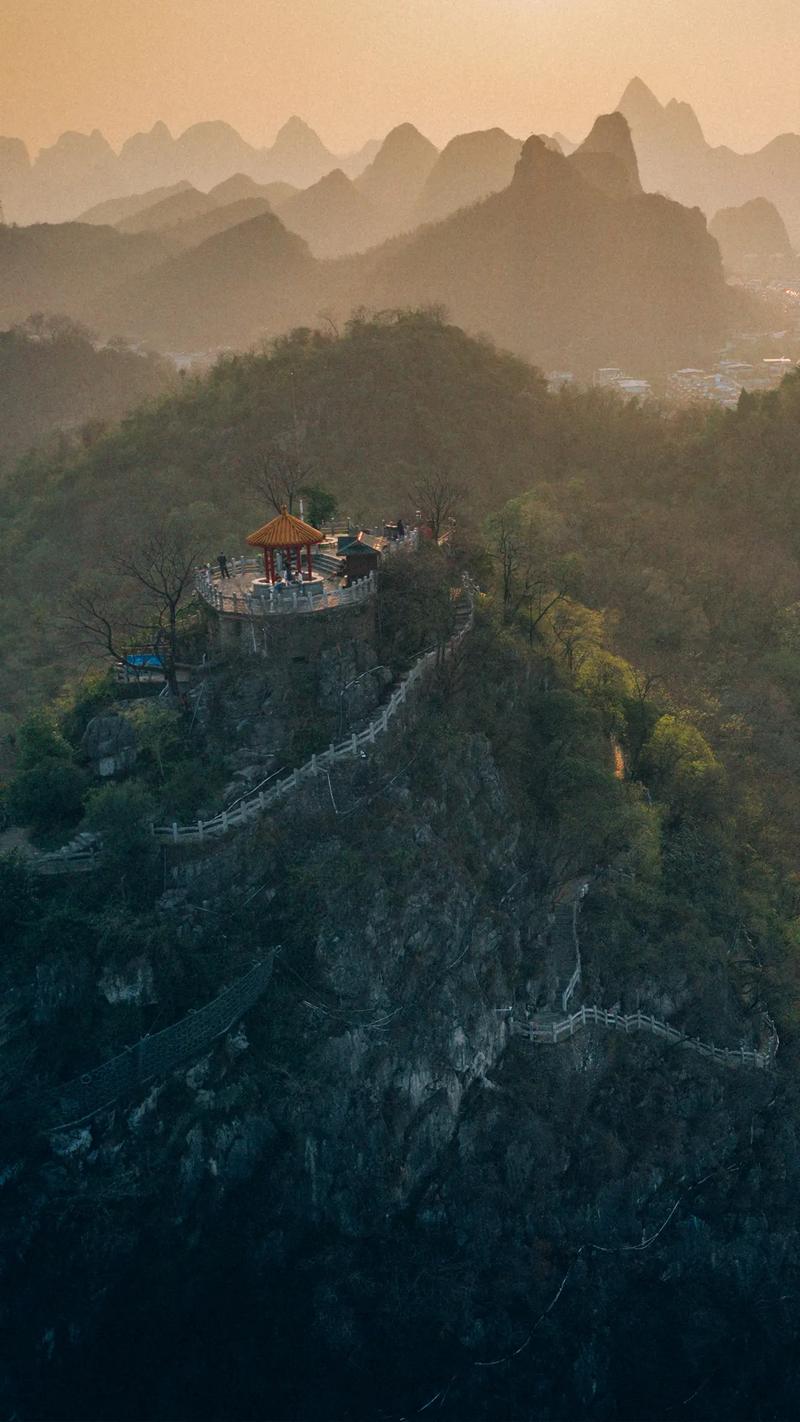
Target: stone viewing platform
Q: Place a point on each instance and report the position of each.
(292, 578)
(245, 593)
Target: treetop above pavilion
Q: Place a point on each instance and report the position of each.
(289, 536)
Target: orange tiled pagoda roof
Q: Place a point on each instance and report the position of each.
(285, 531)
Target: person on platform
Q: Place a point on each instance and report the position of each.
(223, 566)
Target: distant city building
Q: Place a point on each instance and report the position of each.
(724, 385)
(634, 389)
(610, 377)
(558, 379)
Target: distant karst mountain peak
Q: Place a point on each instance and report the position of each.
(676, 159)
(607, 158)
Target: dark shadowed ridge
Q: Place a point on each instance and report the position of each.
(60, 269)
(566, 273)
(252, 280)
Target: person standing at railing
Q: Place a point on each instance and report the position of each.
(223, 566)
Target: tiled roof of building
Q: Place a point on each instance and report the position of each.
(365, 542)
(285, 531)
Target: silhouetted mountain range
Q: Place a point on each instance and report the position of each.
(404, 177)
(81, 170)
(674, 158)
(571, 264)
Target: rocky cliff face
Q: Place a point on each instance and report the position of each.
(368, 1194)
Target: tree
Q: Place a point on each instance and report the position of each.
(683, 768)
(157, 579)
(321, 504)
(158, 733)
(280, 477)
(48, 796)
(122, 816)
(533, 574)
(39, 739)
(19, 894)
(437, 496)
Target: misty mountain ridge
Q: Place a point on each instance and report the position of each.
(334, 217)
(195, 230)
(571, 265)
(568, 264)
(469, 167)
(168, 212)
(252, 279)
(403, 174)
(114, 210)
(675, 158)
(79, 171)
(607, 158)
(397, 174)
(754, 232)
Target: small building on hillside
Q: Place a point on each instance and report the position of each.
(362, 555)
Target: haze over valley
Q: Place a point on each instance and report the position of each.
(576, 255)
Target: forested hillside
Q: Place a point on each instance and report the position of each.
(696, 562)
(377, 408)
(346, 1168)
(53, 378)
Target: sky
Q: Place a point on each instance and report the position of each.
(355, 68)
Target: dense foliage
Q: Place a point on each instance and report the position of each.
(55, 379)
(375, 408)
(626, 707)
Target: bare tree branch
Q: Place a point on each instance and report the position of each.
(437, 497)
(279, 477)
(147, 584)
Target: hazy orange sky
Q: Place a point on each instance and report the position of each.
(354, 68)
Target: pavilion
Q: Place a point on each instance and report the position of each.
(289, 536)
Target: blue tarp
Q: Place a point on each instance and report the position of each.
(140, 660)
